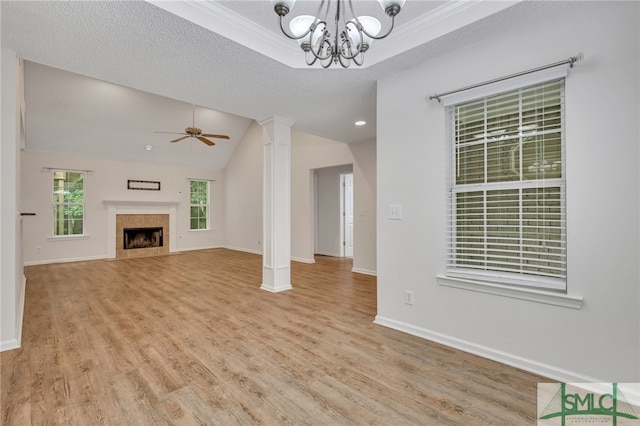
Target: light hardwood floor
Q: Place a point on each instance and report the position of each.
(190, 339)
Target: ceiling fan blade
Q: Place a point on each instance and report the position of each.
(173, 133)
(209, 135)
(179, 139)
(207, 141)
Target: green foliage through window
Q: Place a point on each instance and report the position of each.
(199, 203)
(68, 203)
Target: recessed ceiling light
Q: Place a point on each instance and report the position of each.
(148, 147)
(361, 123)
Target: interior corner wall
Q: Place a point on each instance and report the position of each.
(243, 193)
(599, 342)
(11, 269)
(364, 206)
(108, 181)
(243, 189)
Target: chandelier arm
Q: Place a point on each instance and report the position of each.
(329, 59)
(306, 58)
(346, 64)
(318, 54)
(351, 55)
(346, 37)
(292, 37)
(355, 59)
(360, 27)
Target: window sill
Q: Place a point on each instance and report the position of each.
(532, 295)
(199, 230)
(69, 237)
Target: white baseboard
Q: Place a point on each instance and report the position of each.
(303, 260)
(364, 271)
(532, 366)
(197, 248)
(20, 316)
(243, 249)
(295, 259)
(326, 253)
(7, 345)
(77, 259)
(17, 341)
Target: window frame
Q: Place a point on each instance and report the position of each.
(56, 204)
(466, 276)
(207, 206)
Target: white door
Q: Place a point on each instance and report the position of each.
(347, 213)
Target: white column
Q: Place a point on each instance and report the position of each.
(276, 204)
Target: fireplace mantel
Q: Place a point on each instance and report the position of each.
(139, 203)
(115, 207)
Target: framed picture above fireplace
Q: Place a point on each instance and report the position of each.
(147, 185)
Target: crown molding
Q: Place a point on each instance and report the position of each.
(447, 18)
(442, 20)
(223, 21)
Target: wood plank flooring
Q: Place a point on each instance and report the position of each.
(190, 339)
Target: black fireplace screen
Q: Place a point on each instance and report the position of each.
(142, 238)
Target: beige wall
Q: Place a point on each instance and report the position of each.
(364, 206)
(108, 181)
(11, 267)
(243, 193)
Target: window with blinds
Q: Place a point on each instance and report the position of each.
(507, 188)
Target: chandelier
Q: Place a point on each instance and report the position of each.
(350, 38)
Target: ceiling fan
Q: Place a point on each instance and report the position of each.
(194, 132)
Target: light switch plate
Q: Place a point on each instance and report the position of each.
(395, 211)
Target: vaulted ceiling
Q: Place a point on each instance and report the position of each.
(103, 76)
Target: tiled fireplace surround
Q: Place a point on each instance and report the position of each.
(140, 214)
(141, 221)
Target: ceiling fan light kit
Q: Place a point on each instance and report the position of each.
(350, 38)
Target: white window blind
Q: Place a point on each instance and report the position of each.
(506, 209)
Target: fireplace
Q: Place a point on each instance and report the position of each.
(138, 238)
(140, 214)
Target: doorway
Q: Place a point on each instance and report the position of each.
(333, 211)
(346, 208)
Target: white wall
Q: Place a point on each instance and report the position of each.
(309, 152)
(328, 227)
(600, 341)
(364, 206)
(243, 193)
(11, 269)
(108, 181)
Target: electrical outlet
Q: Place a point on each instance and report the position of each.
(38, 249)
(408, 297)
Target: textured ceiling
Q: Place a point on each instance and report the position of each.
(138, 45)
